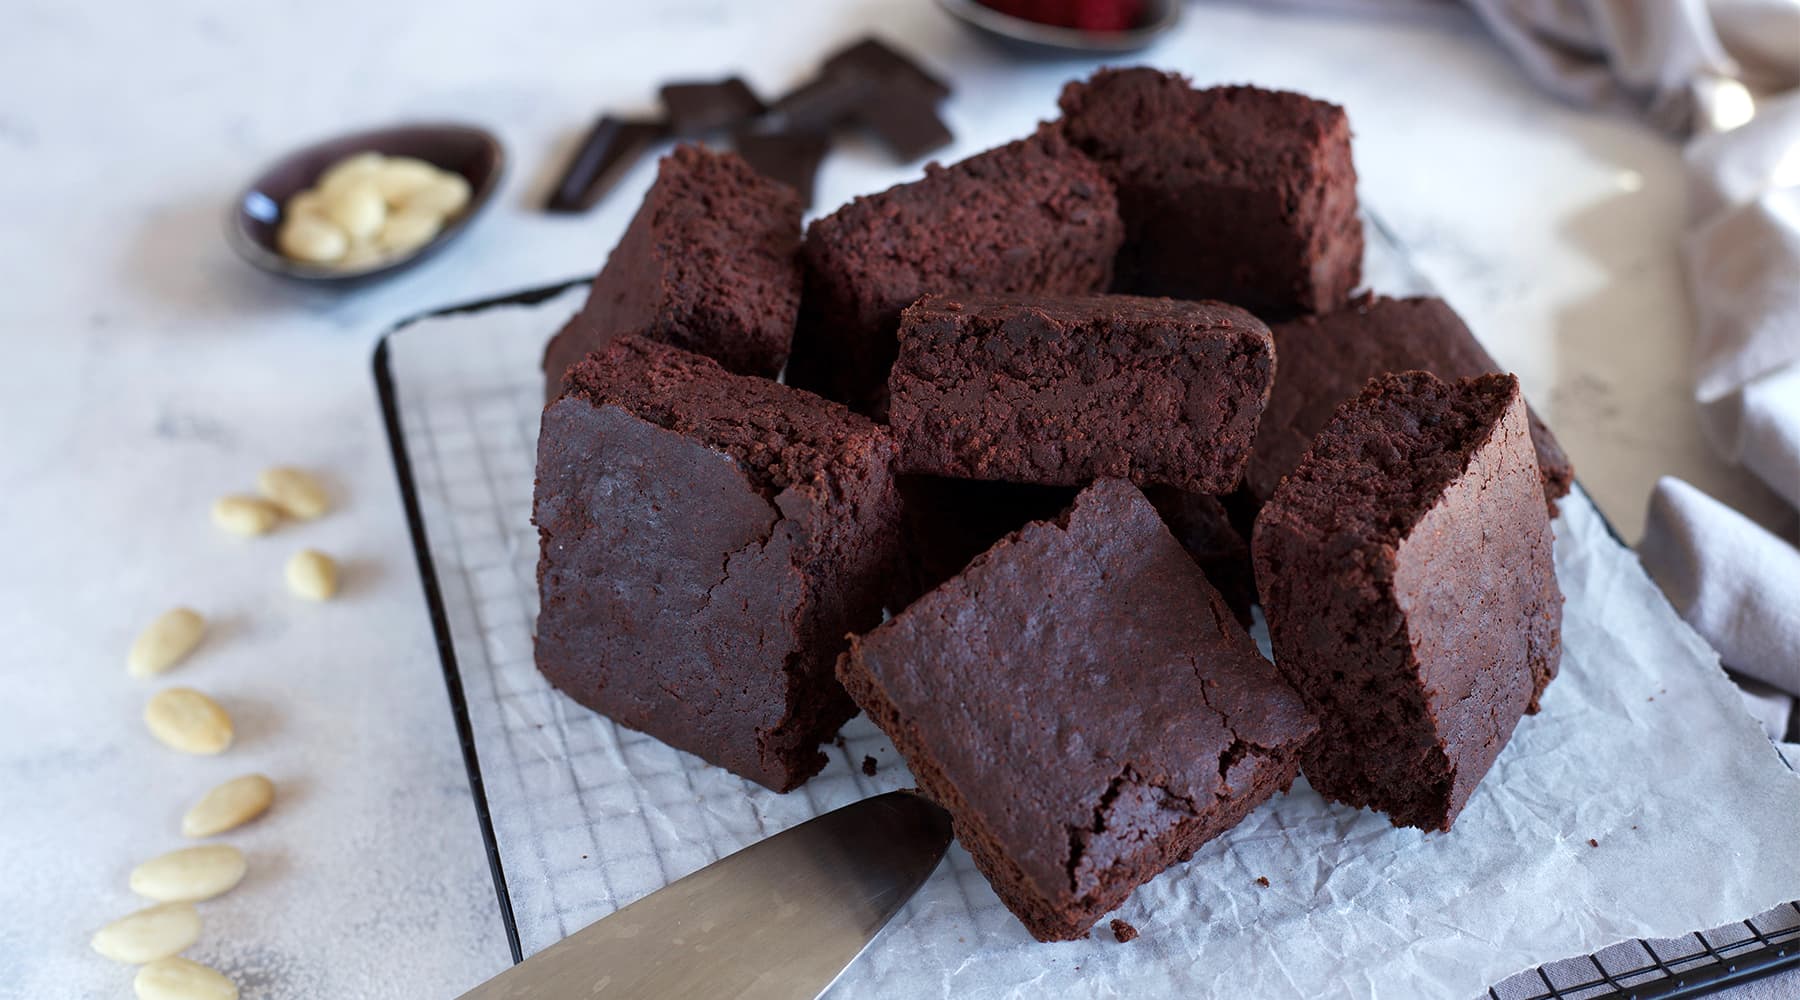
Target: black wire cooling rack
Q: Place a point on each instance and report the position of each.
(1694, 965)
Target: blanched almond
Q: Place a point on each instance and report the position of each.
(357, 208)
(308, 202)
(311, 236)
(400, 176)
(312, 574)
(362, 255)
(149, 934)
(165, 642)
(245, 515)
(229, 806)
(295, 491)
(408, 230)
(445, 196)
(186, 720)
(181, 979)
(349, 170)
(190, 874)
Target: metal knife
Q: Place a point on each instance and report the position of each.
(781, 918)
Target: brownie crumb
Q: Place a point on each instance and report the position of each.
(1262, 880)
(1593, 843)
(869, 766)
(1123, 932)
(840, 742)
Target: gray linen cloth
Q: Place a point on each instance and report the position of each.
(1726, 72)
(1729, 578)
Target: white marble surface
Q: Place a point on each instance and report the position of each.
(148, 371)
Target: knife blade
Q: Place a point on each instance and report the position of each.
(781, 918)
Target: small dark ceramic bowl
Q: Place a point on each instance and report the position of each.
(1029, 38)
(461, 149)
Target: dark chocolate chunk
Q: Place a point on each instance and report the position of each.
(875, 59)
(698, 108)
(905, 119)
(898, 101)
(868, 766)
(609, 149)
(821, 103)
(789, 157)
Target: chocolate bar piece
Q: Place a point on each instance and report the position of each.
(874, 85)
(606, 152)
(698, 108)
(905, 119)
(875, 59)
(789, 157)
(820, 104)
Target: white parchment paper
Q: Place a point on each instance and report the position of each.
(1642, 801)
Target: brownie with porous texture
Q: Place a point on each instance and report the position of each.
(1234, 193)
(947, 522)
(1327, 359)
(1204, 528)
(706, 542)
(1031, 216)
(710, 264)
(1081, 701)
(1406, 572)
(1062, 390)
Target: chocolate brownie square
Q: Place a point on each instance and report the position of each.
(1204, 528)
(1234, 193)
(791, 157)
(1083, 704)
(1062, 390)
(872, 58)
(1405, 570)
(706, 542)
(1327, 359)
(1031, 216)
(947, 522)
(710, 263)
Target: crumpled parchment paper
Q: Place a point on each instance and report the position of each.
(1641, 802)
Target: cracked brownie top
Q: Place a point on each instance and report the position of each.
(1084, 704)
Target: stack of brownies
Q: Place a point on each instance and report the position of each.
(1065, 410)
